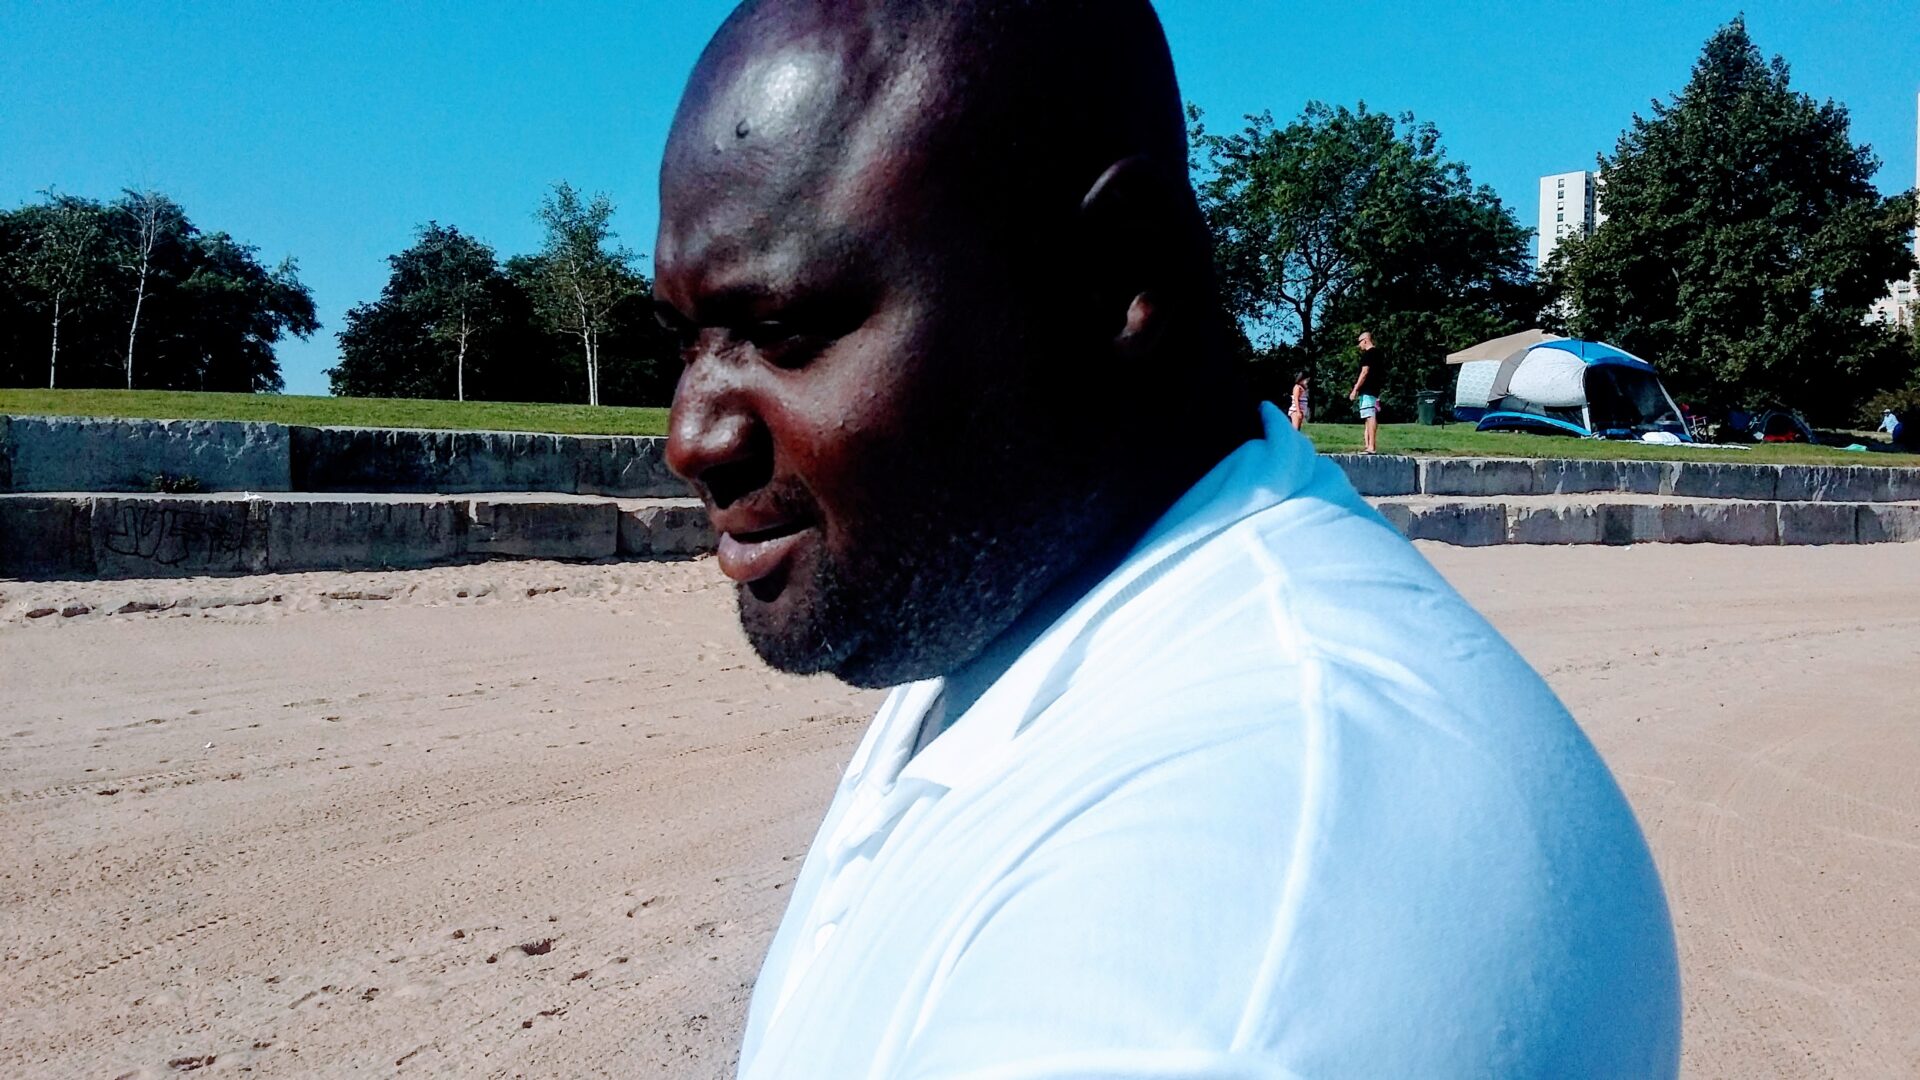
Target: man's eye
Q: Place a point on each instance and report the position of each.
(685, 334)
(782, 344)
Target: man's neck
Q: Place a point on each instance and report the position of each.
(1156, 486)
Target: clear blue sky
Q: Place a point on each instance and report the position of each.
(330, 131)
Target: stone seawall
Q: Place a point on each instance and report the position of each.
(1387, 476)
(43, 453)
(139, 536)
(68, 453)
(130, 536)
(1646, 519)
(408, 461)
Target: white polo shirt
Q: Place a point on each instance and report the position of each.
(1270, 801)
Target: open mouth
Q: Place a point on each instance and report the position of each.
(760, 554)
(772, 533)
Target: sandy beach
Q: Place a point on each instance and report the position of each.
(532, 819)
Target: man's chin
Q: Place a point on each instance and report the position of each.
(789, 634)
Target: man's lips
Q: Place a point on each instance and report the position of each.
(749, 556)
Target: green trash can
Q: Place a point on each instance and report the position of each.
(1427, 406)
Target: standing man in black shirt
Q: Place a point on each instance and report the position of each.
(1366, 388)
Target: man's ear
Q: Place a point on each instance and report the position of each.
(1127, 230)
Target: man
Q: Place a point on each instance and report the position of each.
(1194, 768)
(1366, 389)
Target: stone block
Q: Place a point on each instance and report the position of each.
(1570, 523)
(6, 454)
(544, 529)
(514, 461)
(1576, 476)
(1818, 523)
(326, 534)
(1397, 515)
(1848, 483)
(77, 453)
(1619, 523)
(179, 536)
(1903, 485)
(412, 461)
(627, 467)
(1824, 483)
(1460, 524)
(1748, 523)
(676, 529)
(1722, 480)
(1476, 476)
(1642, 477)
(1887, 523)
(1379, 475)
(46, 536)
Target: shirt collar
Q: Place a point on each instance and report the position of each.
(1259, 474)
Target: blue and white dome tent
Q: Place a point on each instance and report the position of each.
(1552, 385)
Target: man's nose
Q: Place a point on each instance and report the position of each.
(715, 440)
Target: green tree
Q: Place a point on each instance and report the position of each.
(1347, 219)
(462, 282)
(448, 287)
(64, 259)
(441, 312)
(231, 311)
(386, 351)
(1743, 242)
(637, 359)
(145, 220)
(581, 276)
(142, 298)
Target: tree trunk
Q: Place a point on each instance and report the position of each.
(1308, 344)
(53, 362)
(148, 213)
(460, 363)
(593, 382)
(139, 298)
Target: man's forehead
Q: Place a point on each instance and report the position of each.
(723, 280)
(787, 155)
(768, 237)
(775, 95)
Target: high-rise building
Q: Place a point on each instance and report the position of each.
(1569, 206)
(1901, 305)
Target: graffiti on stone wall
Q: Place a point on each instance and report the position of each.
(182, 535)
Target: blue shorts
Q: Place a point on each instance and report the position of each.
(1369, 406)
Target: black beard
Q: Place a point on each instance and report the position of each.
(927, 598)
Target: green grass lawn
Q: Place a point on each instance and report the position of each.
(1455, 440)
(342, 412)
(1460, 440)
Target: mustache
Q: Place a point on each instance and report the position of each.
(780, 499)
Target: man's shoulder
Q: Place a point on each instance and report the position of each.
(1312, 645)
(1334, 817)
(1317, 592)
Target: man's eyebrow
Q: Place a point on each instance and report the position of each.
(753, 300)
(742, 302)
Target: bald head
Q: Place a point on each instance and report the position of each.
(1042, 94)
(919, 254)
